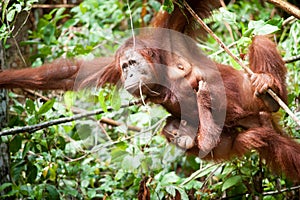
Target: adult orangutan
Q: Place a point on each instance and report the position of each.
(217, 111)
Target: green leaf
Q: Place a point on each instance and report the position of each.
(25, 189)
(61, 142)
(230, 182)
(116, 100)
(262, 28)
(120, 174)
(170, 178)
(131, 162)
(183, 195)
(70, 22)
(154, 4)
(18, 7)
(70, 191)
(46, 107)
(235, 64)
(18, 109)
(246, 170)
(84, 131)
(41, 24)
(171, 190)
(228, 16)
(4, 6)
(30, 107)
(16, 170)
(4, 186)
(53, 193)
(32, 171)
(48, 33)
(83, 8)
(11, 15)
(117, 155)
(15, 144)
(68, 99)
(101, 99)
(168, 6)
(26, 148)
(59, 13)
(91, 193)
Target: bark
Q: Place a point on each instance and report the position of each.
(287, 7)
(4, 151)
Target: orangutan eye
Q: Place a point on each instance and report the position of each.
(180, 66)
(124, 66)
(132, 62)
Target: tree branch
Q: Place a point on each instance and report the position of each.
(62, 120)
(292, 59)
(54, 5)
(287, 7)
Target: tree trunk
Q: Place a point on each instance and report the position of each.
(14, 57)
(4, 151)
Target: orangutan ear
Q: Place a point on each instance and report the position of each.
(184, 65)
(179, 68)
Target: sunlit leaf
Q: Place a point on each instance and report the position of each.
(46, 106)
(116, 100)
(170, 178)
(168, 6)
(231, 181)
(29, 106)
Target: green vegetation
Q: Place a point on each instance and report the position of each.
(85, 160)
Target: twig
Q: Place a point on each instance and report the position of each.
(292, 59)
(76, 110)
(221, 50)
(54, 6)
(62, 120)
(115, 123)
(37, 94)
(289, 20)
(104, 131)
(287, 7)
(210, 175)
(247, 70)
(281, 191)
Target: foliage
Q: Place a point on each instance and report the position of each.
(9, 12)
(85, 160)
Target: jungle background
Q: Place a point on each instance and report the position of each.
(120, 153)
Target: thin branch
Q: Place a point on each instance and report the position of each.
(15, 40)
(247, 70)
(54, 6)
(104, 131)
(289, 20)
(266, 193)
(222, 50)
(37, 94)
(281, 191)
(115, 123)
(62, 120)
(287, 7)
(292, 59)
(76, 110)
